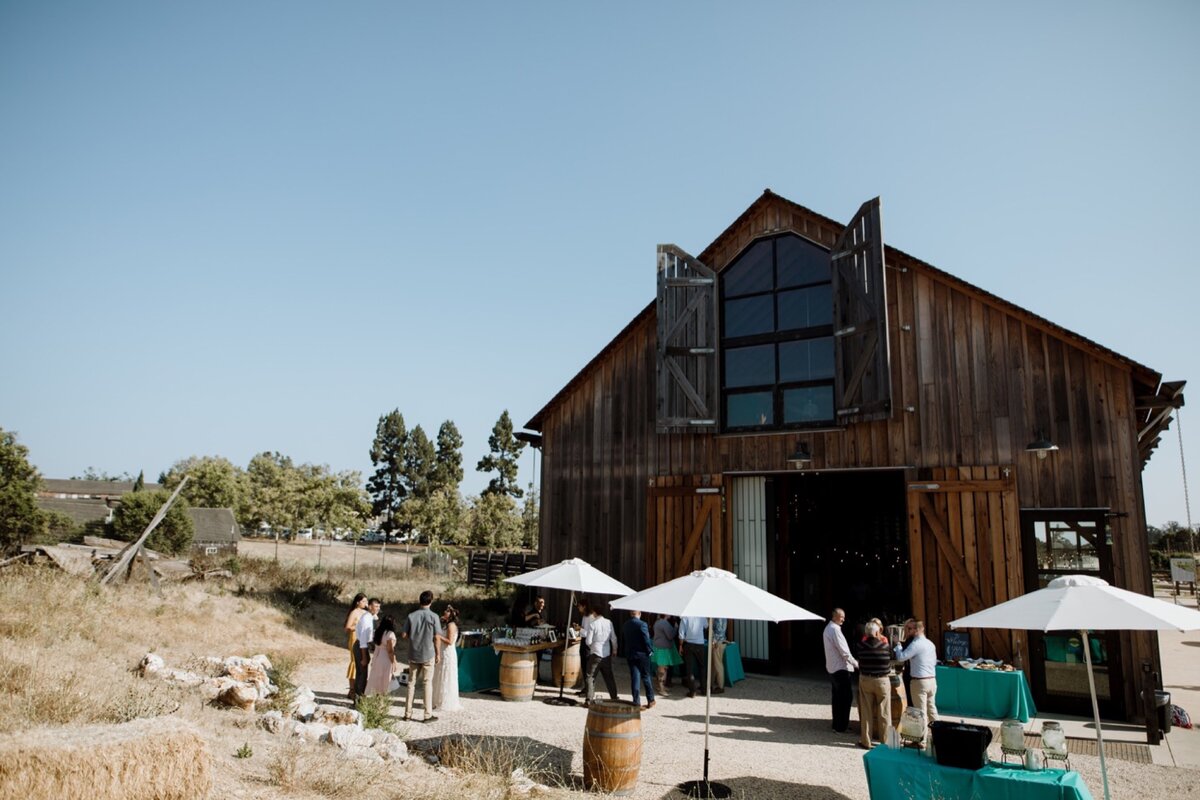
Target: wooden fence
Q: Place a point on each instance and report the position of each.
(484, 568)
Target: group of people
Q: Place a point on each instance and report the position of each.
(872, 658)
(432, 657)
(651, 655)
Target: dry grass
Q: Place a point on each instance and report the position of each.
(155, 759)
(500, 756)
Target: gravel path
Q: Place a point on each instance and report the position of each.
(769, 738)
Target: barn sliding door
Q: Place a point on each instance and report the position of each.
(685, 527)
(689, 386)
(751, 559)
(965, 552)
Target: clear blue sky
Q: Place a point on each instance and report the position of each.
(233, 227)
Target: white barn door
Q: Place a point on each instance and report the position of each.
(750, 557)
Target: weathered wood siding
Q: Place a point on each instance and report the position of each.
(973, 380)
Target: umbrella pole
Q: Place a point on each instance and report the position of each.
(1087, 654)
(562, 678)
(708, 696)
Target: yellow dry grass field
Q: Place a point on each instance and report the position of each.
(68, 649)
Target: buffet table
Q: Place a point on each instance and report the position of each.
(478, 669)
(906, 774)
(983, 693)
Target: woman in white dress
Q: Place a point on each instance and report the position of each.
(445, 680)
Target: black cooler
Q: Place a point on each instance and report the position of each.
(958, 744)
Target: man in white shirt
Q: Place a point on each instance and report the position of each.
(364, 632)
(601, 640)
(921, 655)
(839, 663)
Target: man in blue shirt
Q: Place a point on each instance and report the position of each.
(921, 655)
(635, 639)
(695, 653)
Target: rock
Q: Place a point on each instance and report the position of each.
(309, 731)
(336, 715)
(520, 783)
(189, 679)
(239, 696)
(303, 712)
(272, 721)
(212, 688)
(150, 665)
(245, 670)
(361, 754)
(380, 737)
(346, 736)
(212, 666)
(262, 661)
(393, 751)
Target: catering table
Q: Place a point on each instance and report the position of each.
(983, 693)
(478, 669)
(906, 774)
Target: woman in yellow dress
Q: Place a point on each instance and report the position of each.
(357, 609)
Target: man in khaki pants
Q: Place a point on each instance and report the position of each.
(922, 657)
(422, 628)
(874, 688)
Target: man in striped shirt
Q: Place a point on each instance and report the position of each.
(874, 688)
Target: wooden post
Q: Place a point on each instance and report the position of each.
(126, 555)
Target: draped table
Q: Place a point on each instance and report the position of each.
(478, 669)
(906, 774)
(986, 694)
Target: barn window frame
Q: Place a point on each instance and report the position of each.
(820, 333)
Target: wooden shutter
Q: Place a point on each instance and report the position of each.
(685, 527)
(965, 552)
(862, 375)
(689, 391)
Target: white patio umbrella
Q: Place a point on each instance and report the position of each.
(575, 575)
(1082, 603)
(712, 593)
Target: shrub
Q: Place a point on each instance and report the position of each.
(376, 710)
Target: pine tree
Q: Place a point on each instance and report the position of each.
(530, 519)
(420, 461)
(140, 483)
(387, 485)
(505, 450)
(448, 471)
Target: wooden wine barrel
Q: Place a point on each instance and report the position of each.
(518, 675)
(899, 703)
(568, 659)
(612, 747)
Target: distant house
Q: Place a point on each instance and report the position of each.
(84, 501)
(216, 533)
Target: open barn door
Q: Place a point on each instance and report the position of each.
(685, 527)
(862, 374)
(965, 552)
(689, 388)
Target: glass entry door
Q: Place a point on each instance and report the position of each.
(1071, 542)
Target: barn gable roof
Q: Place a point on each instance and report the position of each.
(1147, 381)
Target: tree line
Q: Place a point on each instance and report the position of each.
(415, 488)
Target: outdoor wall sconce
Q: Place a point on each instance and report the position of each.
(1041, 445)
(801, 458)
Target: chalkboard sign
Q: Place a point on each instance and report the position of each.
(956, 645)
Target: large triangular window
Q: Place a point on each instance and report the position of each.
(777, 336)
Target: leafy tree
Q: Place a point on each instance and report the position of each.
(530, 519)
(20, 519)
(419, 464)
(494, 523)
(173, 535)
(448, 469)
(276, 494)
(338, 499)
(213, 482)
(386, 485)
(441, 516)
(505, 450)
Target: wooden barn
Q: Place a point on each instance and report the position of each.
(845, 425)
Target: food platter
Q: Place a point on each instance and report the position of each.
(985, 664)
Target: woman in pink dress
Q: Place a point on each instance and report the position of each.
(383, 660)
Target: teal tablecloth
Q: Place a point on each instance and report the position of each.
(908, 775)
(478, 669)
(989, 695)
(733, 664)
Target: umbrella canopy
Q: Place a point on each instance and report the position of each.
(714, 593)
(1082, 602)
(574, 575)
